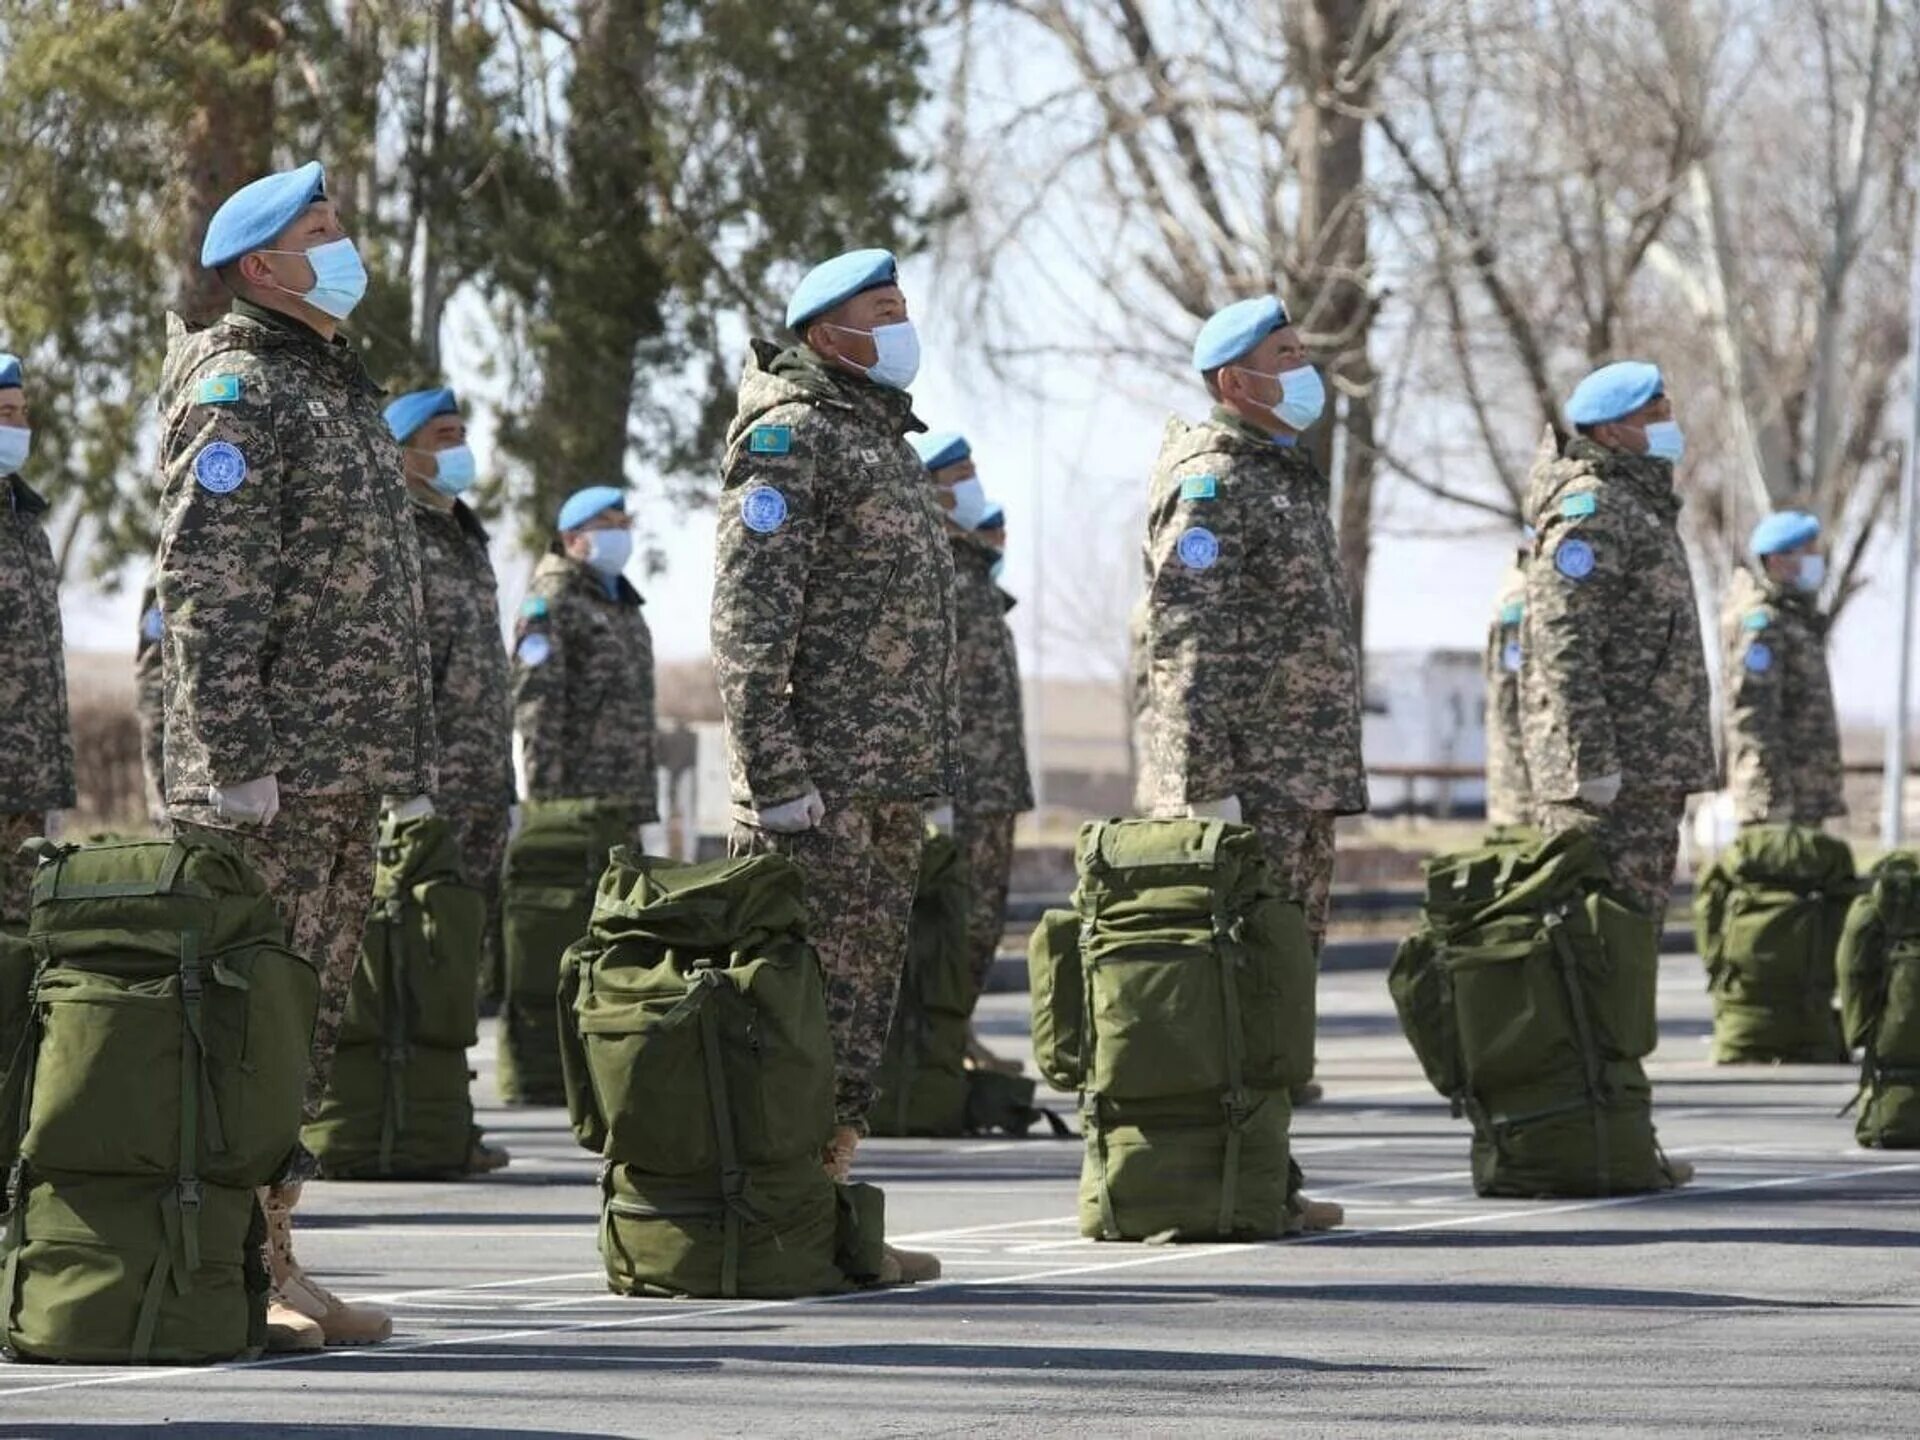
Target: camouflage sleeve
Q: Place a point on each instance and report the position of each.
(769, 526)
(541, 655)
(1195, 552)
(218, 565)
(649, 722)
(1757, 738)
(1574, 587)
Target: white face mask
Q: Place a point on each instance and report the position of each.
(1813, 573)
(896, 351)
(969, 503)
(609, 550)
(15, 442)
(1665, 442)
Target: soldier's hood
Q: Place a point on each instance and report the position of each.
(581, 578)
(772, 377)
(1184, 442)
(1584, 459)
(191, 345)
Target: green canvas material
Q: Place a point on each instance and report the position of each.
(1879, 967)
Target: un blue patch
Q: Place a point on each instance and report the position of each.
(1755, 620)
(152, 627)
(220, 468)
(1513, 612)
(1199, 487)
(1199, 548)
(1759, 658)
(763, 509)
(535, 650)
(217, 390)
(1578, 507)
(770, 440)
(1510, 657)
(1574, 559)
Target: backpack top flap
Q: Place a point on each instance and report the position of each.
(413, 853)
(139, 896)
(1790, 857)
(713, 908)
(1475, 887)
(1169, 868)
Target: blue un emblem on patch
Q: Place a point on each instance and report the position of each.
(1199, 548)
(220, 467)
(1759, 658)
(1574, 559)
(763, 509)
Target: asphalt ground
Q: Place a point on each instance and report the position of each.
(1777, 1295)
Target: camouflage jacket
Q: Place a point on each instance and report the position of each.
(149, 689)
(1255, 666)
(36, 738)
(288, 571)
(583, 691)
(1615, 680)
(833, 624)
(993, 738)
(1508, 801)
(472, 705)
(1782, 736)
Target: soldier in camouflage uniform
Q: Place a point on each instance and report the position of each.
(994, 785)
(1255, 676)
(298, 682)
(471, 705)
(1614, 687)
(150, 701)
(1255, 667)
(583, 682)
(833, 641)
(1782, 736)
(1508, 801)
(36, 740)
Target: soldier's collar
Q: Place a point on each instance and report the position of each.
(1247, 430)
(971, 546)
(801, 366)
(590, 581)
(22, 498)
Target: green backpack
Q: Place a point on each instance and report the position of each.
(1767, 916)
(1528, 998)
(1879, 968)
(546, 897)
(700, 1066)
(156, 1084)
(397, 1105)
(1178, 998)
(924, 1086)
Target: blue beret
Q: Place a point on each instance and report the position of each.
(255, 213)
(1612, 391)
(941, 449)
(1784, 530)
(9, 371)
(583, 505)
(838, 279)
(1234, 331)
(414, 409)
(994, 519)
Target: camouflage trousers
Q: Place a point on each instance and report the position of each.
(1299, 846)
(16, 874)
(1639, 834)
(316, 860)
(861, 865)
(480, 831)
(985, 839)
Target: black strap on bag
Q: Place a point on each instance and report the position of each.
(1556, 923)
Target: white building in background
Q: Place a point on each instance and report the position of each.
(1425, 708)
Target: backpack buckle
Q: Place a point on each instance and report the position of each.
(189, 1193)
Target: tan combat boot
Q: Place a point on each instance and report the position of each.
(907, 1267)
(288, 1330)
(838, 1157)
(1678, 1171)
(484, 1159)
(1317, 1215)
(979, 1057)
(295, 1290)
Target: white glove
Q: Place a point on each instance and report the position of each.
(418, 808)
(941, 817)
(515, 819)
(793, 816)
(1227, 808)
(253, 802)
(1599, 793)
(56, 824)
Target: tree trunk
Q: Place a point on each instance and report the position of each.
(426, 267)
(228, 140)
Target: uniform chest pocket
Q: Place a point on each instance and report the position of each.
(850, 591)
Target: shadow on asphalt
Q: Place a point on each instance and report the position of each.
(249, 1430)
(1582, 1297)
(1621, 1239)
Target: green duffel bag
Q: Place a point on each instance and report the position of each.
(1552, 1139)
(922, 1080)
(1197, 973)
(1186, 1168)
(1057, 990)
(16, 1009)
(1879, 968)
(398, 1104)
(100, 1276)
(798, 1234)
(1767, 919)
(546, 898)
